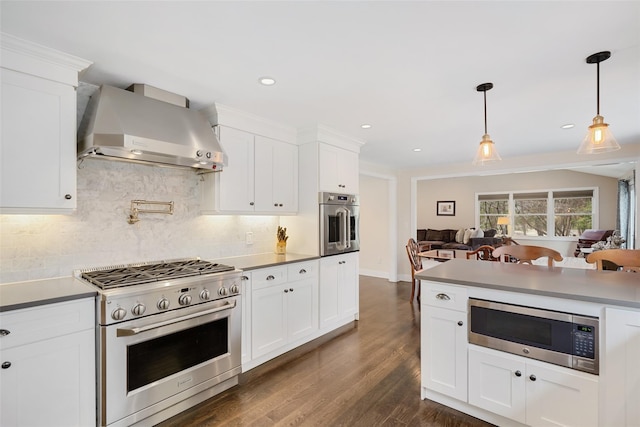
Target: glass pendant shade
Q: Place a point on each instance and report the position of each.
(599, 138)
(486, 151)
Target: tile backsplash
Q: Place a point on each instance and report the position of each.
(98, 234)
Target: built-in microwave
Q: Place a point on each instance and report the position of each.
(560, 338)
(339, 223)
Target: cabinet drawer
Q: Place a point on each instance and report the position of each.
(47, 321)
(302, 270)
(268, 277)
(439, 295)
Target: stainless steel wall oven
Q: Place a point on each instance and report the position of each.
(169, 338)
(339, 223)
(563, 339)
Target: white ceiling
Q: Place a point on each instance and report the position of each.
(410, 69)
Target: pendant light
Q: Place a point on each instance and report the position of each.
(487, 151)
(599, 138)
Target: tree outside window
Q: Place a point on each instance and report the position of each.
(530, 214)
(573, 212)
(492, 206)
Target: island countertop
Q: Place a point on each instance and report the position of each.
(14, 296)
(605, 287)
(253, 262)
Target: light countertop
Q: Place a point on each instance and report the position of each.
(253, 262)
(14, 296)
(605, 287)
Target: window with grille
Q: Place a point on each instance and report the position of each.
(539, 214)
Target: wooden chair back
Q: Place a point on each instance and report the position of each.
(416, 265)
(626, 259)
(525, 254)
(483, 253)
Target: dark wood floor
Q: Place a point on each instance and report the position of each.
(364, 374)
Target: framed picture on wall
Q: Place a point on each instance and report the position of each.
(447, 208)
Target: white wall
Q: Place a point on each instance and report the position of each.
(375, 244)
(463, 190)
(43, 246)
(408, 182)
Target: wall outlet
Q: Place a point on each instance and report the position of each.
(248, 237)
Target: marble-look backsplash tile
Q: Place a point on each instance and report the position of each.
(98, 234)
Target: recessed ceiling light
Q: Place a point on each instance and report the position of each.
(417, 150)
(267, 81)
(365, 126)
(567, 126)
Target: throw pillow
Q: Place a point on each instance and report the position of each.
(467, 236)
(477, 233)
(460, 236)
(490, 232)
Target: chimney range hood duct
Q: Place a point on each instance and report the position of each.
(123, 125)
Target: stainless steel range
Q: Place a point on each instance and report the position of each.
(169, 337)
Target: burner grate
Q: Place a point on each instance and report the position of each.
(153, 272)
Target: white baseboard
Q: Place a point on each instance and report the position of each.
(374, 273)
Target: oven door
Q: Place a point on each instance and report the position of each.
(152, 363)
(339, 229)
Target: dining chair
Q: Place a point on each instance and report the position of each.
(624, 259)
(482, 253)
(525, 254)
(416, 266)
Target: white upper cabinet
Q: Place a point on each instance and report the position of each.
(38, 121)
(338, 169)
(261, 176)
(276, 176)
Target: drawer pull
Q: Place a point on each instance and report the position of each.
(270, 277)
(4, 332)
(245, 278)
(302, 271)
(6, 365)
(443, 297)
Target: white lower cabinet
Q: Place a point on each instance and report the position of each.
(246, 317)
(444, 340)
(531, 392)
(284, 308)
(339, 300)
(621, 389)
(48, 365)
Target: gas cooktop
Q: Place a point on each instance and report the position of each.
(137, 274)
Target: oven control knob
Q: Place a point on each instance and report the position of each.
(235, 289)
(163, 304)
(138, 309)
(205, 294)
(118, 314)
(223, 292)
(185, 299)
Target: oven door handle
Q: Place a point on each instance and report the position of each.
(127, 332)
(347, 223)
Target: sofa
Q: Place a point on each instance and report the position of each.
(461, 239)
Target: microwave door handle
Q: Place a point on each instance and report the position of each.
(347, 221)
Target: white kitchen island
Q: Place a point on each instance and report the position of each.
(495, 385)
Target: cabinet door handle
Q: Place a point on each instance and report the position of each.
(275, 204)
(4, 332)
(443, 297)
(6, 365)
(286, 291)
(67, 196)
(251, 203)
(518, 374)
(532, 377)
(270, 277)
(245, 278)
(290, 289)
(460, 323)
(302, 271)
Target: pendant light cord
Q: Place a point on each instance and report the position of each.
(485, 112)
(598, 88)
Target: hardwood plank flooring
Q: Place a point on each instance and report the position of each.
(364, 374)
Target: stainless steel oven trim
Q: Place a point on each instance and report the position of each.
(116, 403)
(345, 211)
(567, 360)
(125, 332)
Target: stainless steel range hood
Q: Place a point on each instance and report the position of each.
(123, 125)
